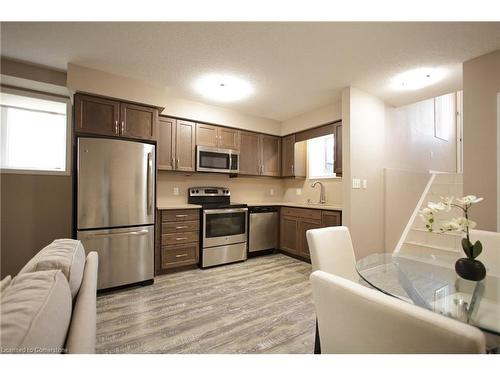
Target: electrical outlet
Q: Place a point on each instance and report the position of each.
(356, 183)
(176, 191)
(271, 191)
(298, 191)
(365, 183)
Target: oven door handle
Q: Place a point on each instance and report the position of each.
(224, 211)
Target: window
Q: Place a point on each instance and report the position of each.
(34, 133)
(320, 156)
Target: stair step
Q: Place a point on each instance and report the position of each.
(432, 246)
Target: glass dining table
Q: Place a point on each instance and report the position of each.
(432, 283)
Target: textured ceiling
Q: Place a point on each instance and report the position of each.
(294, 67)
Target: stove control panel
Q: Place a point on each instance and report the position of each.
(207, 191)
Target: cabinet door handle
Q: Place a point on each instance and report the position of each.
(178, 163)
(123, 127)
(116, 126)
(183, 227)
(173, 162)
(293, 169)
(180, 238)
(181, 255)
(180, 215)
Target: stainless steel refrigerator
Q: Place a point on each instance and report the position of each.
(115, 208)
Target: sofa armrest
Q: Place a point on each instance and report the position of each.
(82, 331)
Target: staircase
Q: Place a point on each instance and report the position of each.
(417, 241)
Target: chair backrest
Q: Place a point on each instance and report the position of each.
(490, 255)
(356, 319)
(331, 251)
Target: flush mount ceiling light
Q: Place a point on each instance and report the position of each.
(223, 88)
(417, 78)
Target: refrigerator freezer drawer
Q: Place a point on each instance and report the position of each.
(126, 255)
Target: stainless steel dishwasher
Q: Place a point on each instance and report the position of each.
(263, 228)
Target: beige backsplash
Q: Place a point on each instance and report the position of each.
(246, 189)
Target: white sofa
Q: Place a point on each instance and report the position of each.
(50, 305)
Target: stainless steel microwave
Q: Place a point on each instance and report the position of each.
(213, 159)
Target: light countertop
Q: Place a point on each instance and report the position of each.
(185, 206)
(315, 206)
(176, 206)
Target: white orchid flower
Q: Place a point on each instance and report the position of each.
(437, 206)
(450, 226)
(447, 201)
(469, 199)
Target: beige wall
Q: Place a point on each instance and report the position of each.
(409, 135)
(333, 190)
(243, 189)
(481, 84)
(319, 116)
(84, 79)
(35, 210)
(363, 116)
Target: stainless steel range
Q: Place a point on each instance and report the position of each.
(224, 226)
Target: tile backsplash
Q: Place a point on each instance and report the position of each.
(245, 189)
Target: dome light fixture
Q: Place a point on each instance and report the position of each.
(223, 87)
(416, 79)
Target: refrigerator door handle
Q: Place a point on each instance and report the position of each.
(117, 234)
(149, 195)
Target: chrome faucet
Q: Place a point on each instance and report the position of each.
(322, 198)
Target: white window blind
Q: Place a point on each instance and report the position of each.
(33, 133)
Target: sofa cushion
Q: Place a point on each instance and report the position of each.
(35, 313)
(5, 283)
(64, 254)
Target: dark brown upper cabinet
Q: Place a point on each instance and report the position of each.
(270, 155)
(338, 150)
(260, 154)
(96, 115)
(176, 144)
(249, 153)
(217, 136)
(138, 121)
(293, 159)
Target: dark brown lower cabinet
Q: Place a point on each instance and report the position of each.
(177, 240)
(294, 224)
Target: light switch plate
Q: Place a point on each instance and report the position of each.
(356, 183)
(298, 191)
(176, 191)
(365, 183)
(271, 191)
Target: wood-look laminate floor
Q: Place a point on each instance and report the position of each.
(263, 305)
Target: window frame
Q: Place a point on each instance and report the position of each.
(329, 176)
(51, 97)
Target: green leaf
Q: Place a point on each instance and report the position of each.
(477, 249)
(467, 246)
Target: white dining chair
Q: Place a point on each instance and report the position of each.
(331, 251)
(355, 319)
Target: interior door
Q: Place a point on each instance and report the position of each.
(116, 183)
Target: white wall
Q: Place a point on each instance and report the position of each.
(481, 85)
(363, 132)
(318, 116)
(85, 79)
(411, 144)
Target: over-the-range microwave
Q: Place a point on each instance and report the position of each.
(213, 159)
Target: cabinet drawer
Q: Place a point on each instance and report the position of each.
(178, 238)
(301, 212)
(180, 215)
(177, 227)
(179, 255)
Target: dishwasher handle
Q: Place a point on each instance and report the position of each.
(262, 209)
